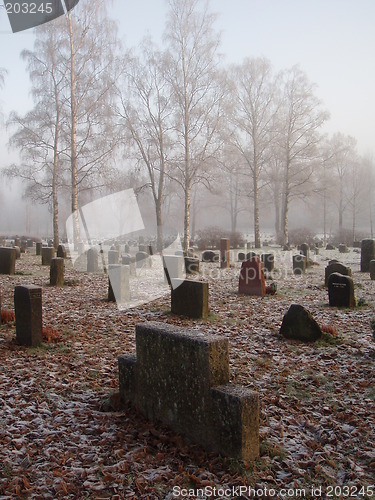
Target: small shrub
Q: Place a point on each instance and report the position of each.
(7, 316)
(210, 238)
(331, 330)
(51, 335)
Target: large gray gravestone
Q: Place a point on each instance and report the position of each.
(341, 291)
(48, 253)
(118, 283)
(189, 298)
(367, 254)
(336, 267)
(57, 271)
(8, 258)
(92, 260)
(28, 312)
(181, 378)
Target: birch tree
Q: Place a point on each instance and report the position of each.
(37, 134)
(145, 108)
(300, 117)
(193, 64)
(253, 113)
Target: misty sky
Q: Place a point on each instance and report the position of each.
(333, 41)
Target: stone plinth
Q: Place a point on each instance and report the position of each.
(189, 298)
(57, 272)
(48, 253)
(28, 312)
(181, 378)
(8, 258)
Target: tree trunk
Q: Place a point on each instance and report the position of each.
(159, 227)
(256, 211)
(73, 138)
(187, 217)
(55, 201)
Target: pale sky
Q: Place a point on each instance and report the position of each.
(333, 41)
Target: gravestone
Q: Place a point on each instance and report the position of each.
(38, 248)
(18, 252)
(191, 265)
(372, 269)
(7, 260)
(189, 298)
(92, 260)
(305, 250)
(299, 324)
(336, 267)
(330, 247)
(367, 254)
(61, 252)
(118, 283)
(150, 249)
(299, 264)
(30, 243)
(129, 260)
(181, 378)
(356, 244)
(113, 257)
(341, 291)
(173, 268)
(251, 280)
(17, 242)
(127, 248)
(250, 255)
(241, 256)
(210, 256)
(142, 248)
(28, 313)
(268, 260)
(57, 272)
(143, 260)
(224, 253)
(48, 253)
(343, 248)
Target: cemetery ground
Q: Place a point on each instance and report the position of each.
(63, 436)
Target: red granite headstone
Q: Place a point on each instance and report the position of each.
(252, 278)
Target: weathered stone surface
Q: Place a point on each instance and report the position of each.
(28, 312)
(38, 248)
(299, 324)
(305, 250)
(252, 280)
(191, 265)
(18, 252)
(92, 260)
(189, 298)
(343, 248)
(336, 267)
(330, 247)
(299, 264)
(48, 253)
(372, 269)
(113, 257)
(173, 268)
(57, 272)
(241, 256)
(210, 256)
(143, 260)
(367, 254)
(181, 378)
(61, 252)
(341, 291)
(7, 260)
(129, 260)
(268, 260)
(224, 253)
(118, 283)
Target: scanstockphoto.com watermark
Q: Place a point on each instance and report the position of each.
(26, 14)
(333, 491)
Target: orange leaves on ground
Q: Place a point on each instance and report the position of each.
(7, 316)
(51, 335)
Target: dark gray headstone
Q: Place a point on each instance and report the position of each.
(210, 256)
(336, 267)
(367, 254)
(143, 260)
(268, 260)
(38, 248)
(299, 264)
(372, 269)
(113, 257)
(191, 265)
(57, 272)
(189, 298)
(61, 252)
(7, 260)
(28, 312)
(299, 324)
(341, 291)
